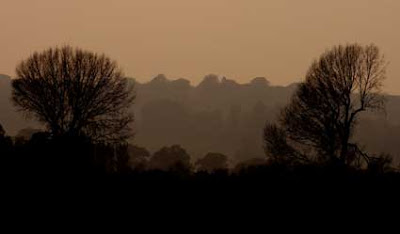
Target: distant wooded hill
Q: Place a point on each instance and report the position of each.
(218, 115)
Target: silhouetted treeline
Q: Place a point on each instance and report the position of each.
(78, 158)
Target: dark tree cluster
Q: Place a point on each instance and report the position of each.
(118, 172)
(41, 151)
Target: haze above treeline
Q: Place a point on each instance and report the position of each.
(277, 39)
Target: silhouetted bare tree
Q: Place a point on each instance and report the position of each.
(75, 92)
(321, 118)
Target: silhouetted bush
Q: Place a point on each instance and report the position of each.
(212, 162)
(172, 158)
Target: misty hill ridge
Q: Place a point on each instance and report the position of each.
(222, 115)
(207, 82)
(217, 115)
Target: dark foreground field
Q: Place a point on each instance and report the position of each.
(61, 173)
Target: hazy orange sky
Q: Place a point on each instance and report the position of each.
(240, 39)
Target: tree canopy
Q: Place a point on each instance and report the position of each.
(75, 92)
(320, 120)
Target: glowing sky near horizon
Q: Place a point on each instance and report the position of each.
(240, 39)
